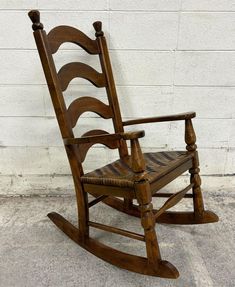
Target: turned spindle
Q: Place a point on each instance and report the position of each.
(190, 139)
(190, 136)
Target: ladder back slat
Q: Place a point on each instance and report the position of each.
(88, 104)
(83, 148)
(80, 70)
(61, 34)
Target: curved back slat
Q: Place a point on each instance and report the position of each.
(83, 148)
(61, 34)
(76, 69)
(88, 104)
(58, 82)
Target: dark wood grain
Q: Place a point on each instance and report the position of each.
(167, 118)
(119, 231)
(96, 136)
(88, 104)
(62, 34)
(110, 87)
(97, 200)
(168, 194)
(132, 176)
(85, 146)
(80, 70)
(34, 16)
(190, 139)
(113, 141)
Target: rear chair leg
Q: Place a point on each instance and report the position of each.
(144, 198)
(190, 140)
(83, 212)
(200, 214)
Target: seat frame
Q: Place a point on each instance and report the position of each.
(76, 149)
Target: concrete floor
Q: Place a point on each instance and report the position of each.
(33, 252)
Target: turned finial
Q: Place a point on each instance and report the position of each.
(98, 28)
(34, 15)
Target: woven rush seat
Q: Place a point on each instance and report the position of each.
(119, 172)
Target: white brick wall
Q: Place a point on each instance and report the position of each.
(168, 56)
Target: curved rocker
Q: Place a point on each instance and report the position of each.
(168, 217)
(118, 258)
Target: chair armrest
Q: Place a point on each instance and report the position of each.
(177, 117)
(104, 138)
(112, 141)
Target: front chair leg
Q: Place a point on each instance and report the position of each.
(161, 267)
(148, 221)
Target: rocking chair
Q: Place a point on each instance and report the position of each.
(136, 176)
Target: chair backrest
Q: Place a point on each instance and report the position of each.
(47, 45)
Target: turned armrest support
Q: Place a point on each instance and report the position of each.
(190, 136)
(112, 141)
(104, 137)
(177, 117)
(137, 158)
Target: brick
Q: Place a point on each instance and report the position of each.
(24, 160)
(151, 5)
(139, 101)
(73, 5)
(143, 67)
(230, 162)
(50, 19)
(154, 31)
(206, 31)
(205, 68)
(231, 130)
(29, 131)
(20, 161)
(212, 161)
(208, 5)
(22, 100)
(31, 185)
(16, 4)
(208, 102)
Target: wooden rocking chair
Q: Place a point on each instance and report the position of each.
(136, 176)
